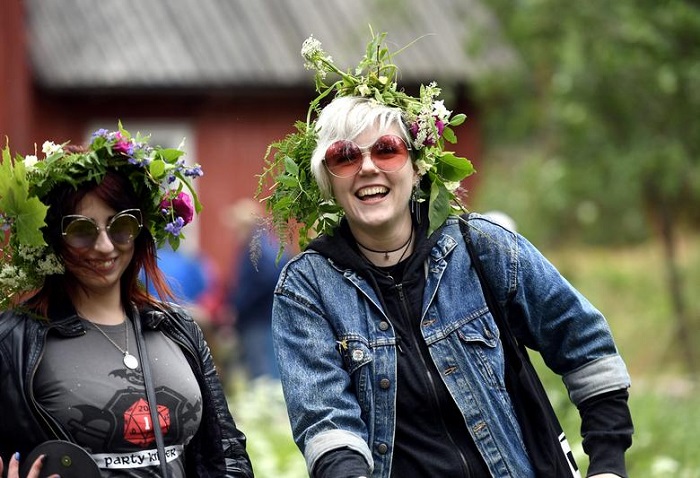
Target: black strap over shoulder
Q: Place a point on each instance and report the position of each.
(151, 394)
(549, 451)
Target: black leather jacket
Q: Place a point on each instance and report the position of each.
(217, 449)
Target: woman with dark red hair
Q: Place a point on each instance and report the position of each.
(102, 378)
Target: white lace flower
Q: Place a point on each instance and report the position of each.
(440, 111)
(422, 167)
(30, 160)
(310, 48)
(314, 56)
(50, 264)
(364, 90)
(49, 148)
(452, 186)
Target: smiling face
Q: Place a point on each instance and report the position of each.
(376, 203)
(99, 267)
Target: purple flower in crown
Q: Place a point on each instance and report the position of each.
(427, 137)
(194, 172)
(440, 125)
(181, 206)
(100, 133)
(175, 227)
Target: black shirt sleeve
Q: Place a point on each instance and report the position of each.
(606, 427)
(341, 463)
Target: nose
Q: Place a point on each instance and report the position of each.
(103, 243)
(367, 163)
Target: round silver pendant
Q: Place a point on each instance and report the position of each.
(130, 361)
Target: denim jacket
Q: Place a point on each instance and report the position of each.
(337, 348)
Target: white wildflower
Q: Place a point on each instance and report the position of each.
(310, 48)
(315, 57)
(30, 160)
(29, 253)
(364, 90)
(452, 186)
(440, 111)
(50, 264)
(49, 148)
(422, 167)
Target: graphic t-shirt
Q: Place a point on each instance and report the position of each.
(85, 385)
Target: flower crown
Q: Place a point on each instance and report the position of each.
(26, 258)
(294, 195)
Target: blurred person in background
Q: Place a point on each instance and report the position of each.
(250, 296)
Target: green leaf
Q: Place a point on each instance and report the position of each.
(439, 205)
(30, 221)
(458, 119)
(454, 168)
(288, 181)
(170, 155)
(449, 135)
(291, 166)
(157, 168)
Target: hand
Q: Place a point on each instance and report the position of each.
(605, 475)
(13, 467)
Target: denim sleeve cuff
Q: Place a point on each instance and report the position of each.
(602, 375)
(332, 440)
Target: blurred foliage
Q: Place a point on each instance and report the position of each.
(601, 118)
(259, 410)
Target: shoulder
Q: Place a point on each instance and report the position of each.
(304, 262)
(166, 312)
(484, 232)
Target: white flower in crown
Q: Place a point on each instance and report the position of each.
(30, 160)
(314, 56)
(440, 111)
(452, 186)
(49, 148)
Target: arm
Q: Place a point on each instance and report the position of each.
(324, 411)
(550, 316)
(576, 342)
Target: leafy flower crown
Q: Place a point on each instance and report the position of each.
(26, 258)
(294, 196)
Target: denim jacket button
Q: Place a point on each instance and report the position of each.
(383, 325)
(382, 448)
(384, 383)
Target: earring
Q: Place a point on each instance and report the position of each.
(415, 200)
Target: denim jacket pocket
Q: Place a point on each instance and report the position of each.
(481, 342)
(357, 356)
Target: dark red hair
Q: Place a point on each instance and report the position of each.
(117, 192)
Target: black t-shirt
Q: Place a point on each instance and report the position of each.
(85, 385)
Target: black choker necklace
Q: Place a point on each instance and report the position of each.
(386, 253)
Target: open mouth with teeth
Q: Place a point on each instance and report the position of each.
(102, 264)
(374, 192)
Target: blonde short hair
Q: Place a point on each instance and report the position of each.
(346, 118)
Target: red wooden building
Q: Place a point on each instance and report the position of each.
(227, 75)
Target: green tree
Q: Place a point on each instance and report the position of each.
(608, 97)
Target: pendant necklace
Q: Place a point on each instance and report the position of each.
(130, 361)
(386, 253)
